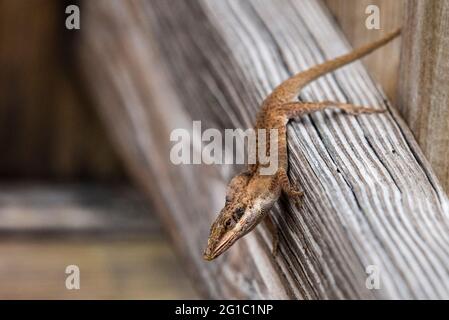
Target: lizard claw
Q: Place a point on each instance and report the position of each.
(294, 193)
(295, 196)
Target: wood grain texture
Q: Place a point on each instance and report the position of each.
(351, 16)
(424, 83)
(370, 195)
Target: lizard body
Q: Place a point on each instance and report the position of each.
(250, 195)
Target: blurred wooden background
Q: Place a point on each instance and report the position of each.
(109, 232)
(48, 127)
(51, 133)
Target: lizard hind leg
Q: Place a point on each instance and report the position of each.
(354, 109)
(296, 109)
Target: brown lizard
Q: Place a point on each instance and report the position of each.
(250, 195)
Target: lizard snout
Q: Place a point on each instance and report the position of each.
(207, 255)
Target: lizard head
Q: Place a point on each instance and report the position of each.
(243, 210)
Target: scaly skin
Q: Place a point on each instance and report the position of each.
(250, 195)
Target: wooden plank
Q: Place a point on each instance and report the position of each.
(108, 232)
(370, 195)
(125, 269)
(351, 17)
(29, 209)
(424, 83)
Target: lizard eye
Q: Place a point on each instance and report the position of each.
(238, 213)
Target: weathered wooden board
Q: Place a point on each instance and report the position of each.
(370, 195)
(424, 82)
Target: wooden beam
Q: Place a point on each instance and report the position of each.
(424, 82)
(371, 198)
(64, 209)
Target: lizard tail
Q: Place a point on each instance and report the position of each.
(289, 89)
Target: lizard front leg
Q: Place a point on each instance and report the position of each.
(281, 178)
(285, 184)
